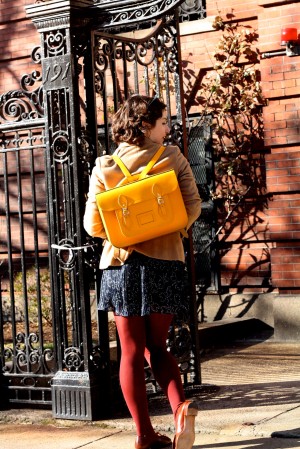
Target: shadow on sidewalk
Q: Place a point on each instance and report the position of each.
(251, 395)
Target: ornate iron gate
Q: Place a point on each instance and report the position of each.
(149, 64)
(86, 74)
(27, 357)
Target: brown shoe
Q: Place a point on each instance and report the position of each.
(185, 425)
(159, 441)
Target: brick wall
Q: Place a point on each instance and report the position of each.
(244, 243)
(252, 243)
(281, 85)
(18, 37)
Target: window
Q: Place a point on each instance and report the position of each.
(201, 161)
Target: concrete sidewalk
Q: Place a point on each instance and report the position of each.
(249, 398)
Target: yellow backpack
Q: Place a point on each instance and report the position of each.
(144, 208)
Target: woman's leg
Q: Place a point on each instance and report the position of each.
(163, 364)
(132, 336)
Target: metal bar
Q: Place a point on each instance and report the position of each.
(114, 78)
(102, 74)
(10, 258)
(180, 99)
(167, 83)
(136, 76)
(54, 227)
(28, 387)
(30, 402)
(36, 253)
(66, 219)
(125, 38)
(190, 257)
(18, 126)
(105, 116)
(59, 198)
(2, 358)
(29, 376)
(272, 54)
(22, 249)
(156, 68)
(90, 89)
(14, 150)
(16, 213)
(125, 82)
(146, 78)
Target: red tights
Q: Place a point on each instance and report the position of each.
(146, 337)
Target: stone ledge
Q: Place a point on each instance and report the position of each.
(287, 318)
(221, 331)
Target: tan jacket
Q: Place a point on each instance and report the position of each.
(106, 174)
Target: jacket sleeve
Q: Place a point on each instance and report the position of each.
(188, 188)
(92, 220)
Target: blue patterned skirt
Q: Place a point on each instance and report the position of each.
(144, 285)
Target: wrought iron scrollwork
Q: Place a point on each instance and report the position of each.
(61, 146)
(144, 53)
(122, 13)
(73, 360)
(26, 358)
(55, 43)
(24, 104)
(180, 345)
(66, 254)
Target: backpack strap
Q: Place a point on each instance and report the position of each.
(152, 162)
(144, 172)
(122, 166)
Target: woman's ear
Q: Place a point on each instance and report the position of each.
(145, 125)
(145, 128)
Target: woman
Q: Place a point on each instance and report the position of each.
(144, 284)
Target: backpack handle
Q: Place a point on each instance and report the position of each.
(144, 172)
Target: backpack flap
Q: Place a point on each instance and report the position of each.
(154, 186)
(142, 210)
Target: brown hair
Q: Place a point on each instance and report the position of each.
(138, 113)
